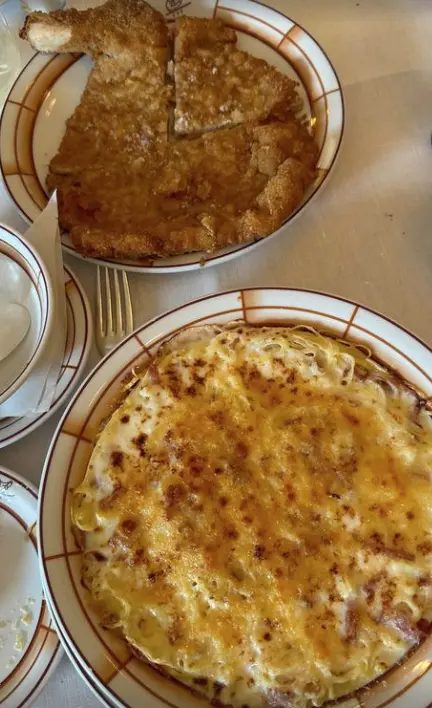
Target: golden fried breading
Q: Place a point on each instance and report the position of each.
(217, 85)
(115, 120)
(223, 188)
(128, 189)
(119, 28)
(125, 101)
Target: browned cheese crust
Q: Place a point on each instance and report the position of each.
(126, 189)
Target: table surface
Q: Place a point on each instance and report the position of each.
(365, 237)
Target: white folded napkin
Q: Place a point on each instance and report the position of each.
(37, 393)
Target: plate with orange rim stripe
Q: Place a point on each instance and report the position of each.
(29, 646)
(72, 658)
(101, 656)
(49, 88)
(75, 356)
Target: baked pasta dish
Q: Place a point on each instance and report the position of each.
(181, 142)
(256, 516)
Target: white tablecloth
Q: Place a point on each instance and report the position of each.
(366, 237)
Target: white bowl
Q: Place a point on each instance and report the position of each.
(18, 366)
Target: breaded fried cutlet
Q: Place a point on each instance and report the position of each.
(218, 85)
(129, 187)
(226, 187)
(118, 28)
(125, 101)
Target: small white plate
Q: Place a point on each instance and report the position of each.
(33, 274)
(104, 660)
(29, 646)
(77, 349)
(49, 87)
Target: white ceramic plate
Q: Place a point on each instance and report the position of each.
(120, 677)
(77, 349)
(49, 87)
(17, 367)
(72, 658)
(29, 646)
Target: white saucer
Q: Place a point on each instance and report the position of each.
(25, 274)
(29, 646)
(77, 349)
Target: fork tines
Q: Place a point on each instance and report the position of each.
(114, 308)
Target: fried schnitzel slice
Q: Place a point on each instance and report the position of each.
(125, 102)
(126, 189)
(118, 28)
(226, 187)
(217, 85)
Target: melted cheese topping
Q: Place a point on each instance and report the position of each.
(257, 517)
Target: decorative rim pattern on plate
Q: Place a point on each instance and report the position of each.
(120, 676)
(293, 43)
(18, 249)
(44, 649)
(72, 658)
(77, 349)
